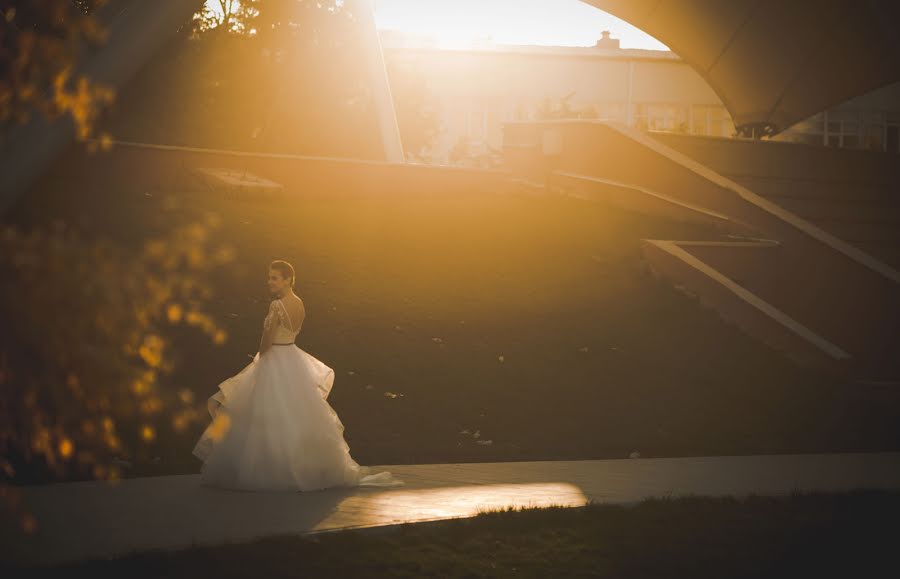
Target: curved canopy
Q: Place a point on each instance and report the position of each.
(776, 63)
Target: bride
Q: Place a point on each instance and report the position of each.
(272, 427)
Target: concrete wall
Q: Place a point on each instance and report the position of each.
(144, 167)
(815, 279)
(854, 195)
(773, 159)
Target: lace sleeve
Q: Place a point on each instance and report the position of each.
(276, 314)
(271, 317)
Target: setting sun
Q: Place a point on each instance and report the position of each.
(466, 23)
(462, 23)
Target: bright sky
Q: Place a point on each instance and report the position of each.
(454, 23)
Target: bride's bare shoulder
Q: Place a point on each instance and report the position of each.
(295, 302)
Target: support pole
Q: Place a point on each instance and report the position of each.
(381, 88)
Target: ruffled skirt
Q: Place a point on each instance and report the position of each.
(273, 429)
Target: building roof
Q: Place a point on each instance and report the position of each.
(776, 63)
(395, 40)
(389, 43)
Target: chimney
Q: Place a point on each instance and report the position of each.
(607, 42)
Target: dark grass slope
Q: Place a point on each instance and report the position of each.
(531, 321)
(822, 536)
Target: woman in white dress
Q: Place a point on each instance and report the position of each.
(272, 426)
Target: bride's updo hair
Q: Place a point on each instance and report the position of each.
(284, 268)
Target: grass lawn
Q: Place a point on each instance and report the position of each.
(842, 535)
(529, 321)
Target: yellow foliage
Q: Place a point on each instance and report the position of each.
(140, 387)
(174, 313)
(41, 441)
(225, 255)
(113, 442)
(82, 104)
(196, 233)
(195, 256)
(154, 248)
(74, 385)
(128, 300)
(151, 405)
(179, 423)
(194, 318)
(213, 220)
(114, 474)
(148, 433)
(29, 523)
(66, 448)
(151, 350)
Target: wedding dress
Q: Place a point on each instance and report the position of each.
(280, 433)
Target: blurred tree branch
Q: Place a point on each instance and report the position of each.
(41, 42)
(84, 348)
(83, 360)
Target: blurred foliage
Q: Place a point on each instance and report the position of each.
(40, 44)
(224, 15)
(260, 75)
(287, 76)
(475, 154)
(81, 372)
(296, 85)
(553, 109)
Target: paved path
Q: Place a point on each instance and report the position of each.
(95, 519)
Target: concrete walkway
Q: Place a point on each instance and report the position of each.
(95, 519)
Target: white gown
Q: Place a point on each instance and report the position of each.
(280, 433)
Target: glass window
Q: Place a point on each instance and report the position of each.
(874, 140)
(663, 116)
(815, 124)
(874, 118)
(808, 138)
(728, 129)
(892, 143)
(611, 111)
(699, 125)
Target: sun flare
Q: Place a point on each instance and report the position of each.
(464, 23)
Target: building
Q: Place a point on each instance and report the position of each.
(870, 121)
(477, 90)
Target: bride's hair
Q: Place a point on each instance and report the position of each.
(284, 268)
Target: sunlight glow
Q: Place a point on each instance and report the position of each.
(457, 24)
(401, 505)
(464, 23)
